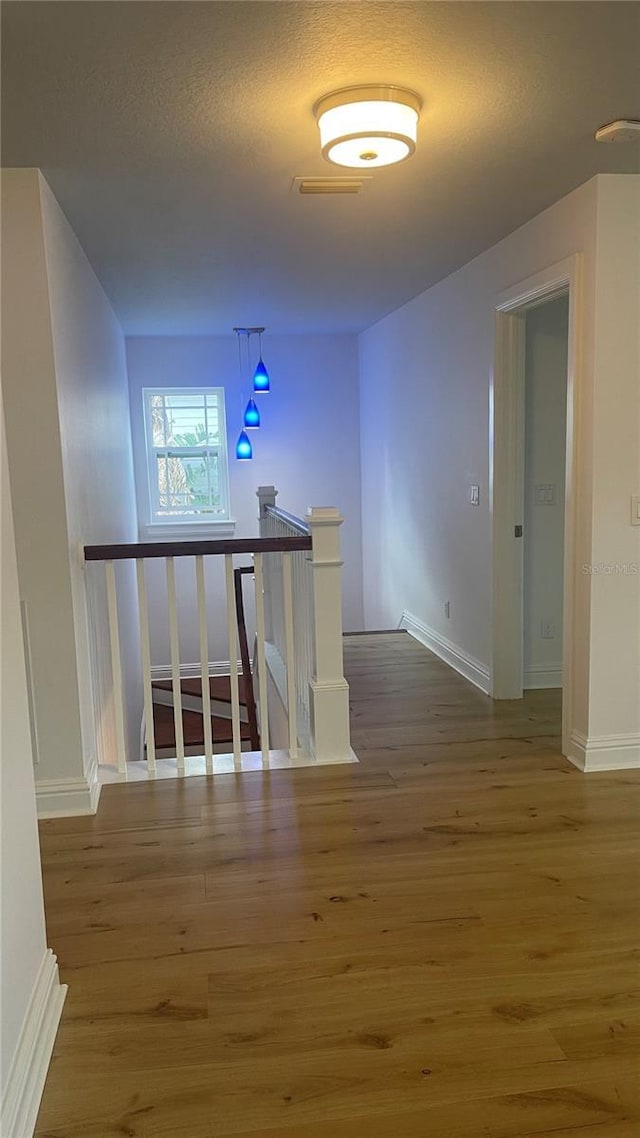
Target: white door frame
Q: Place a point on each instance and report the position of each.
(506, 478)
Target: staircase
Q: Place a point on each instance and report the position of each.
(220, 701)
(193, 715)
(297, 678)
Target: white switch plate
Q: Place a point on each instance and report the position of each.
(635, 510)
(474, 495)
(545, 494)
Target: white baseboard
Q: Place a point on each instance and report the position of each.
(63, 797)
(542, 676)
(472, 669)
(28, 1071)
(191, 671)
(604, 752)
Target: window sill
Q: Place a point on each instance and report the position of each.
(168, 531)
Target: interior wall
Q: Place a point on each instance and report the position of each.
(546, 345)
(425, 384)
(612, 568)
(37, 480)
(67, 412)
(23, 929)
(93, 415)
(307, 447)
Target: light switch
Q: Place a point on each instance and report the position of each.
(474, 495)
(635, 510)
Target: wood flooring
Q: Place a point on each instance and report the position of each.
(440, 942)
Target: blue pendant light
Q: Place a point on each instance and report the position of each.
(244, 450)
(260, 375)
(251, 415)
(260, 378)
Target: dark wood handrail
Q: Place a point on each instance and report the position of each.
(243, 545)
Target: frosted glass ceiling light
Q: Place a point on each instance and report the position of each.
(368, 126)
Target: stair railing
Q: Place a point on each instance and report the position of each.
(303, 613)
(258, 548)
(298, 624)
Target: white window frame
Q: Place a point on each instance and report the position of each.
(161, 526)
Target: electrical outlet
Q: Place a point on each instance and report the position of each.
(547, 629)
(447, 609)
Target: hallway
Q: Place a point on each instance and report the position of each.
(441, 940)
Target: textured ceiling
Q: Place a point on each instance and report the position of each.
(170, 133)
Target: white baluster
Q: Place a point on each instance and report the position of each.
(302, 679)
(145, 659)
(116, 666)
(175, 662)
(204, 664)
(304, 619)
(233, 656)
(292, 699)
(262, 663)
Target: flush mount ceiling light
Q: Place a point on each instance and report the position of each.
(368, 126)
(622, 130)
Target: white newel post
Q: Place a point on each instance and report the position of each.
(329, 691)
(266, 496)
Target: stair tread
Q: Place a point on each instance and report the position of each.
(192, 726)
(219, 687)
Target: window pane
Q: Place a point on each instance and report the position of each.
(186, 453)
(189, 485)
(191, 420)
(158, 421)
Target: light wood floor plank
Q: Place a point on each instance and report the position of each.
(440, 941)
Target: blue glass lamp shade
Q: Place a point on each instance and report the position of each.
(243, 446)
(260, 377)
(251, 415)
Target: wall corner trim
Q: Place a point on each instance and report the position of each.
(64, 797)
(25, 1083)
(472, 669)
(604, 752)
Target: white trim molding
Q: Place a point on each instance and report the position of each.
(473, 670)
(506, 477)
(183, 531)
(65, 797)
(542, 676)
(25, 1083)
(604, 752)
(277, 671)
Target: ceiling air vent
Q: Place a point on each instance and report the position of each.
(329, 185)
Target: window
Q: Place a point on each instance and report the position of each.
(186, 450)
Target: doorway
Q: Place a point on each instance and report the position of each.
(517, 597)
(545, 428)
